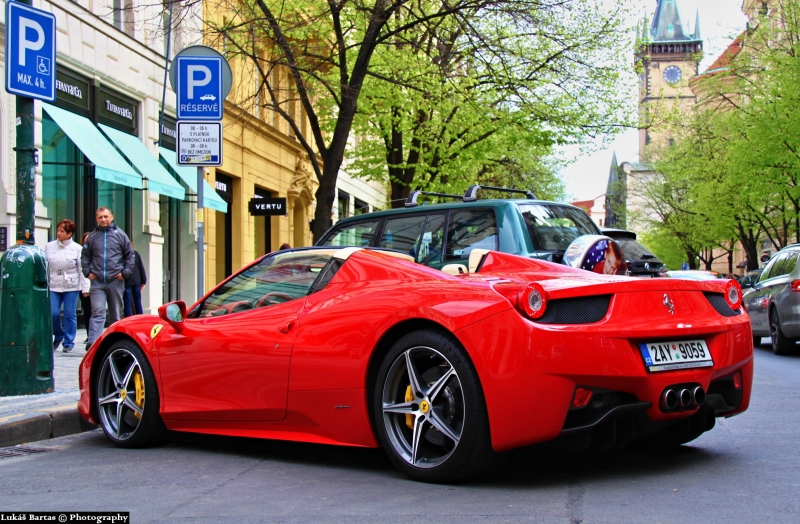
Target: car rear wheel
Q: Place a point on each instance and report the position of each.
(429, 410)
(781, 345)
(126, 397)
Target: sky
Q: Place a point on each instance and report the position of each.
(720, 22)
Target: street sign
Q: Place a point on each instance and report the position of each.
(199, 88)
(199, 143)
(30, 52)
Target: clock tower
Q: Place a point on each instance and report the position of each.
(667, 57)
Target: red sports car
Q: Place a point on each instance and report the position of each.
(443, 369)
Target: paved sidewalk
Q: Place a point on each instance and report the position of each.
(28, 418)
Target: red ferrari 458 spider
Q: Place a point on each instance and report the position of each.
(446, 370)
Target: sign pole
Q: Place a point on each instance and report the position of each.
(26, 328)
(201, 266)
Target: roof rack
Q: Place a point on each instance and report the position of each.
(472, 192)
(411, 201)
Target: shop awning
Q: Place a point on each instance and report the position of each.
(109, 165)
(158, 179)
(189, 176)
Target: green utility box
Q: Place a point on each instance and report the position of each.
(26, 328)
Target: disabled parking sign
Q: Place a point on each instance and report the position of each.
(30, 52)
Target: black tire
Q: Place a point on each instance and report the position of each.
(127, 406)
(781, 345)
(448, 416)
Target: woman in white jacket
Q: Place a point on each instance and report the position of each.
(66, 282)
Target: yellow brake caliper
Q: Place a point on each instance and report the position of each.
(409, 416)
(138, 383)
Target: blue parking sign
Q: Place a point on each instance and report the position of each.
(30, 52)
(199, 87)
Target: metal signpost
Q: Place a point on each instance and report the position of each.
(26, 328)
(202, 79)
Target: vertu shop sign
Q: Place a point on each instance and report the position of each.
(30, 52)
(201, 78)
(267, 206)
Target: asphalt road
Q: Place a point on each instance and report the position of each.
(747, 469)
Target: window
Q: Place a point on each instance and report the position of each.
(470, 229)
(403, 233)
(343, 203)
(430, 247)
(553, 228)
(772, 268)
(352, 234)
(276, 279)
(791, 262)
(360, 207)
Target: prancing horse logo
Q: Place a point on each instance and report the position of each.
(669, 304)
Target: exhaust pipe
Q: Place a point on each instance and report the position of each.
(698, 396)
(669, 400)
(685, 398)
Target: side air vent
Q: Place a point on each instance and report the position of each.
(580, 310)
(717, 301)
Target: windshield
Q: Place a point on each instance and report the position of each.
(553, 227)
(634, 250)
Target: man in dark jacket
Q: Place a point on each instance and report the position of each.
(134, 285)
(107, 260)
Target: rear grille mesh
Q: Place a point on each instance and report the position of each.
(718, 302)
(580, 310)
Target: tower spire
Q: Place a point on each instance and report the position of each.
(697, 26)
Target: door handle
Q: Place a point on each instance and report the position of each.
(285, 329)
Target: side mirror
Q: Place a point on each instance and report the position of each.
(174, 313)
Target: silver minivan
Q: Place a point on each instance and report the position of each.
(774, 302)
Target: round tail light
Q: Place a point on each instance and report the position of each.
(733, 294)
(532, 300)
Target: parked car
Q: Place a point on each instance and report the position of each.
(774, 301)
(444, 370)
(693, 274)
(641, 261)
(446, 233)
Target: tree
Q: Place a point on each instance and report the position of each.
(312, 59)
(472, 99)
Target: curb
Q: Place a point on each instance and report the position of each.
(41, 426)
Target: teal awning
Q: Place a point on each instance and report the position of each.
(109, 165)
(189, 176)
(158, 179)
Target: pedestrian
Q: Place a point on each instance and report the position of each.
(86, 304)
(64, 259)
(107, 260)
(284, 246)
(134, 285)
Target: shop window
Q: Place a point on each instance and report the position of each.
(262, 227)
(62, 177)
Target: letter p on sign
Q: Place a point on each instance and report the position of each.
(194, 80)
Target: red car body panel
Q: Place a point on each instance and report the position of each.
(300, 370)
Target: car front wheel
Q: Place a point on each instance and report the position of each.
(429, 410)
(126, 397)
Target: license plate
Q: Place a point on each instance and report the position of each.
(680, 354)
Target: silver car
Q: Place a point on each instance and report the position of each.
(774, 302)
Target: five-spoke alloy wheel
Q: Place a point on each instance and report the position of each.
(781, 344)
(126, 397)
(429, 409)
